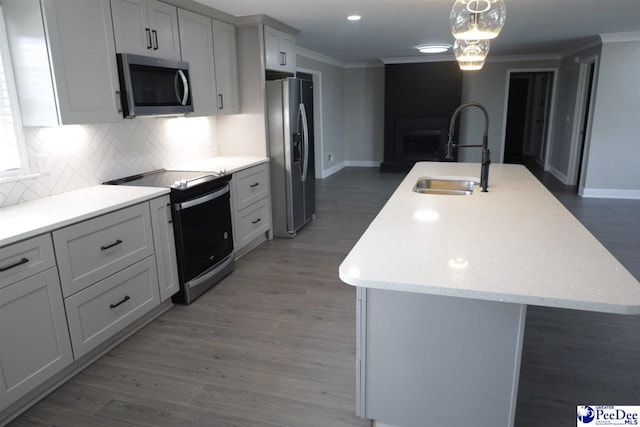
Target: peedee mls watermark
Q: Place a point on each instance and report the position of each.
(592, 415)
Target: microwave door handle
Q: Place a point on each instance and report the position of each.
(305, 136)
(185, 84)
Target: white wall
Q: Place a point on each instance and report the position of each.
(565, 116)
(613, 168)
(489, 87)
(364, 115)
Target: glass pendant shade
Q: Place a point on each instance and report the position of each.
(471, 65)
(471, 50)
(477, 19)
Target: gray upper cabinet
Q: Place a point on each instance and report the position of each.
(279, 50)
(146, 27)
(226, 61)
(64, 61)
(196, 39)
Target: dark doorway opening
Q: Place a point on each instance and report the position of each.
(585, 119)
(527, 117)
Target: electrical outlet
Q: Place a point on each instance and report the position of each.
(330, 157)
(44, 164)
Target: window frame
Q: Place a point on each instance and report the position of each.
(24, 170)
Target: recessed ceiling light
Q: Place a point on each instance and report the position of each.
(354, 17)
(436, 48)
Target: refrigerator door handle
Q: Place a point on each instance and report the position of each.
(305, 135)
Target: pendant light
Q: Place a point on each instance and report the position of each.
(477, 19)
(471, 65)
(471, 50)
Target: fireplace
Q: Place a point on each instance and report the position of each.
(420, 139)
(419, 100)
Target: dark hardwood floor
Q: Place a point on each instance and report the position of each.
(273, 344)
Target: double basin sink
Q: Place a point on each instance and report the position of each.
(445, 186)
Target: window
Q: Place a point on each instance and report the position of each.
(13, 160)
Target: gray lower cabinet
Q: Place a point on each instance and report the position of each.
(251, 208)
(164, 243)
(34, 341)
(113, 270)
(436, 360)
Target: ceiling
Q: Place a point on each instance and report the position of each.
(394, 28)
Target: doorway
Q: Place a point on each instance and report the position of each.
(528, 112)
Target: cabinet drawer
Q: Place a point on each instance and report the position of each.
(252, 185)
(24, 259)
(253, 221)
(107, 307)
(94, 249)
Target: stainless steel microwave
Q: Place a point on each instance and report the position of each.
(153, 86)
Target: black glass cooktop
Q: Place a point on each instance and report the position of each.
(176, 180)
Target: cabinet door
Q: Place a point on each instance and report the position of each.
(226, 62)
(165, 39)
(131, 26)
(165, 247)
(33, 332)
(272, 54)
(196, 39)
(288, 52)
(83, 57)
(68, 73)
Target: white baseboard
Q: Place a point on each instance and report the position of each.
(333, 169)
(363, 163)
(610, 193)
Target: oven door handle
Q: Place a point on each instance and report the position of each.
(203, 199)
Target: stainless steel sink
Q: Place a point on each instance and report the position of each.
(445, 186)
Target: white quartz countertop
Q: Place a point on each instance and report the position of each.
(29, 219)
(516, 243)
(214, 164)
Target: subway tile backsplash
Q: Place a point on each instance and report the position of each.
(85, 155)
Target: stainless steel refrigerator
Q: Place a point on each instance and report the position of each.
(290, 118)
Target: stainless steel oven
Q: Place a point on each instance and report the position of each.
(201, 215)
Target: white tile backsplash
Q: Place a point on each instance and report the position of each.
(85, 155)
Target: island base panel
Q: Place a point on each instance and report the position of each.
(435, 360)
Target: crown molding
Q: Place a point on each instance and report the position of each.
(319, 57)
(620, 37)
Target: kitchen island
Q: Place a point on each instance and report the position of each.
(443, 284)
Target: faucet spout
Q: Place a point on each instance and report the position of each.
(486, 153)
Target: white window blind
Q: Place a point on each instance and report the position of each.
(12, 154)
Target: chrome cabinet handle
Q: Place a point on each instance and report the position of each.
(254, 185)
(283, 58)
(155, 38)
(14, 265)
(125, 299)
(220, 102)
(256, 221)
(117, 242)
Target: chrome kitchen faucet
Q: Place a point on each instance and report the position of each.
(486, 153)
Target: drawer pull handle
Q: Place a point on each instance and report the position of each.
(125, 299)
(9, 267)
(117, 242)
(256, 221)
(254, 185)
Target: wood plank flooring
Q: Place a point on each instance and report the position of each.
(273, 344)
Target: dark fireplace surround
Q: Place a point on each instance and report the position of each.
(419, 101)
